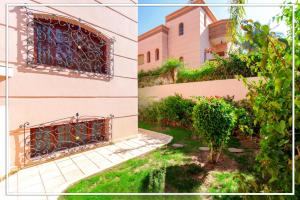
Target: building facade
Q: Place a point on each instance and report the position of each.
(190, 34)
(72, 78)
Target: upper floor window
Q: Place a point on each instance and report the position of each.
(58, 42)
(205, 20)
(148, 57)
(157, 54)
(181, 29)
(140, 59)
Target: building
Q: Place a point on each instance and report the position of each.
(72, 79)
(190, 34)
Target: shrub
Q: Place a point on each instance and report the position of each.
(245, 117)
(150, 113)
(171, 111)
(192, 75)
(176, 111)
(214, 119)
(157, 180)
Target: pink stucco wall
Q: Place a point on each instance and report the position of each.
(231, 87)
(38, 97)
(188, 44)
(156, 41)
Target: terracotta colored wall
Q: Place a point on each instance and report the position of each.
(42, 97)
(206, 88)
(156, 41)
(186, 45)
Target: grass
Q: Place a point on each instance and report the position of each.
(182, 173)
(228, 181)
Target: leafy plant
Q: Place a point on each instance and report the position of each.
(170, 67)
(150, 113)
(157, 180)
(172, 111)
(176, 111)
(214, 119)
(271, 99)
(198, 74)
(237, 13)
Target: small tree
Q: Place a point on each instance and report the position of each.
(214, 119)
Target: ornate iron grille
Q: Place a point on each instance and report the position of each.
(67, 44)
(62, 137)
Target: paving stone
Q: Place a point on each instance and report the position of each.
(203, 148)
(235, 150)
(59, 174)
(177, 145)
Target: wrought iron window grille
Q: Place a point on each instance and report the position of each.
(63, 137)
(60, 44)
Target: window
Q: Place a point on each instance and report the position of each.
(58, 43)
(181, 29)
(157, 54)
(181, 59)
(148, 57)
(141, 59)
(205, 20)
(49, 139)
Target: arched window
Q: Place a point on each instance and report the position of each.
(181, 59)
(156, 54)
(68, 44)
(181, 29)
(148, 57)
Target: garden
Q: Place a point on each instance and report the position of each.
(219, 144)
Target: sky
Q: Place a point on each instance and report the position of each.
(150, 17)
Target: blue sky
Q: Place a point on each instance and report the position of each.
(150, 17)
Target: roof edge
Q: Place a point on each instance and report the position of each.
(158, 29)
(187, 9)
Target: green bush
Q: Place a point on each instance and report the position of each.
(220, 68)
(170, 111)
(245, 117)
(176, 111)
(214, 119)
(150, 113)
(157, 180)
(192, 75)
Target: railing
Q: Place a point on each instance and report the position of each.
(218, 31)
(63, 137)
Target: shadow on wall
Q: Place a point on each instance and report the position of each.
(22, 49)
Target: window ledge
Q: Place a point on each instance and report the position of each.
(3, 71)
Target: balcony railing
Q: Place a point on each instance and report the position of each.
(218, 32)
(63, 137)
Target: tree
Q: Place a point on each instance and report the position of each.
(237, 14)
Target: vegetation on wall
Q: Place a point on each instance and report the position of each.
(218, 69)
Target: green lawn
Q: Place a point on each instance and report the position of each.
(183, 174)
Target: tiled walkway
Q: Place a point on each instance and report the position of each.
(55, 176)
